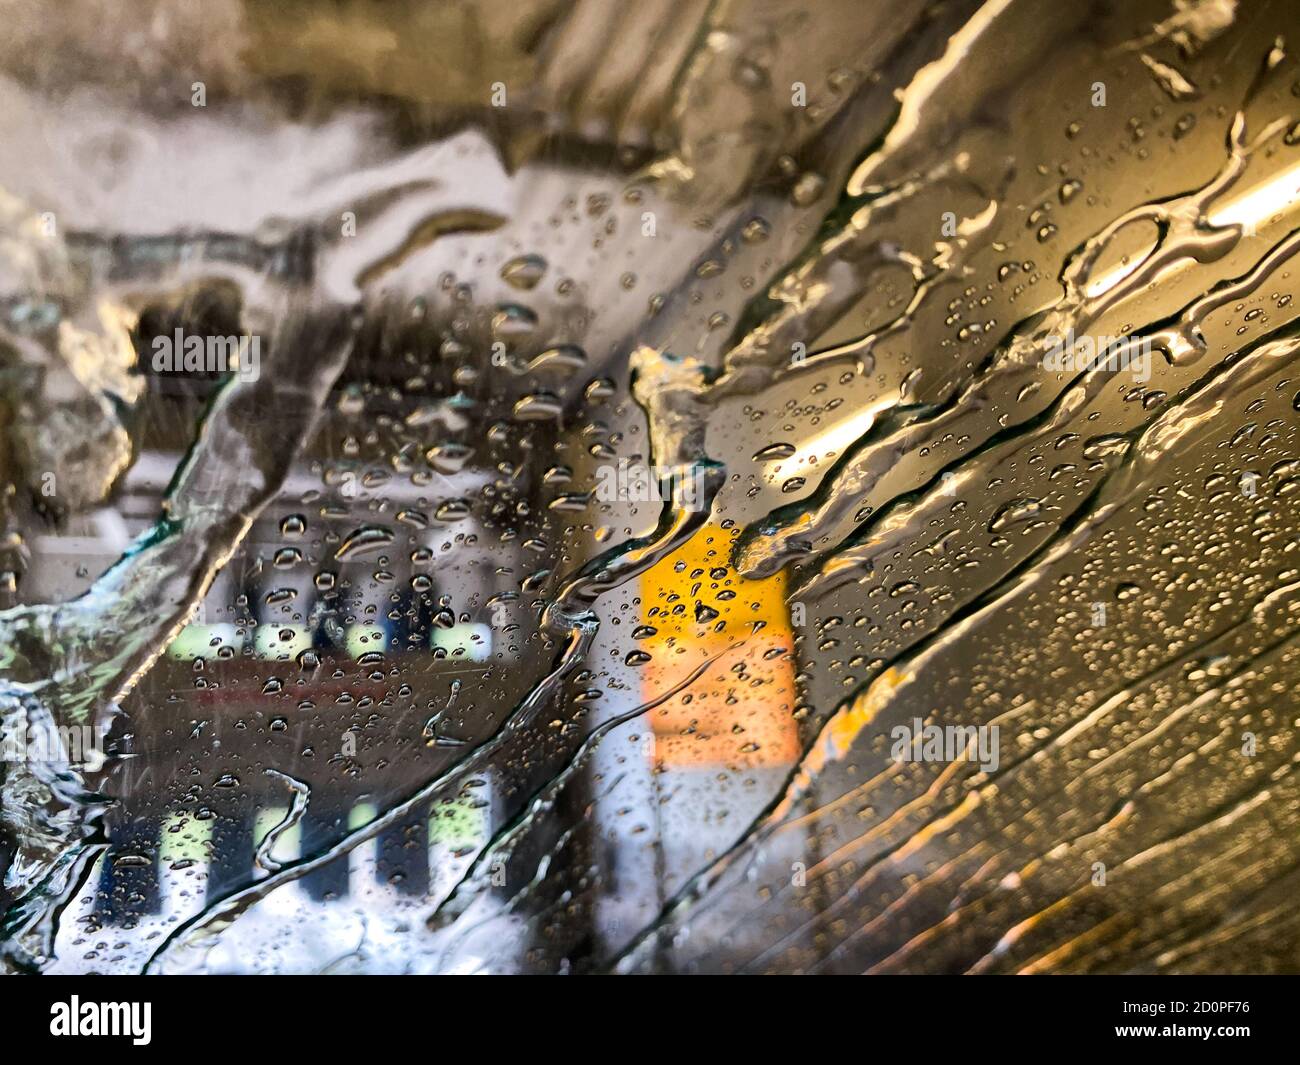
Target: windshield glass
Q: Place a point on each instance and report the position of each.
(548, 487)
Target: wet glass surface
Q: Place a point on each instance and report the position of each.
(579, 487)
